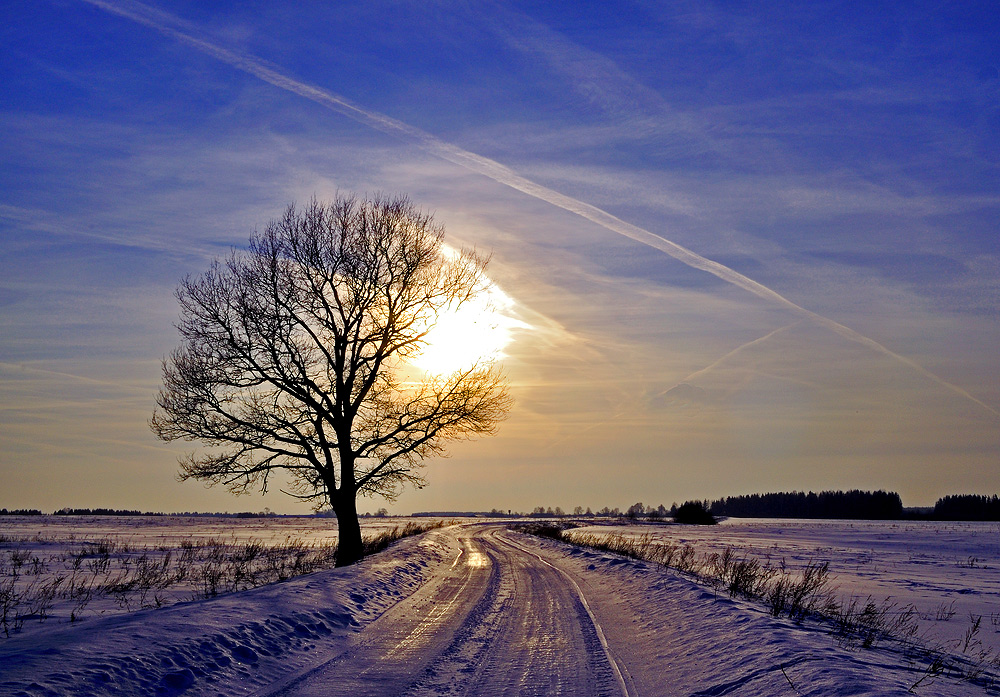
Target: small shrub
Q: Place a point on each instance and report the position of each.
(944, 612)
(553, 531)
(694, 513)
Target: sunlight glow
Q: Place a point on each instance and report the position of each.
(476, 331)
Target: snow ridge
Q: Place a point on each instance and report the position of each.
(226, 645)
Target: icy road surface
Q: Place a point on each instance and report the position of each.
(466, 610)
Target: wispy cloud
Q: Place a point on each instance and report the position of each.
(184, 32)
(735, 352)
(623, 99)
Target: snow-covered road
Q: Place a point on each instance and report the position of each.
(497, 620)
(465, 610)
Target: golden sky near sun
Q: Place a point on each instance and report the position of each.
(475, 331)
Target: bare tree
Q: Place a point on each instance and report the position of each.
(291, 355)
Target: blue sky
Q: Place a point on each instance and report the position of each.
(834, 166)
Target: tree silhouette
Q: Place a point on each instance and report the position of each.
(291, 355)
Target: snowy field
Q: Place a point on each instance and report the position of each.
(152, 531)
(476, 610)
(66, 569)
(948, 571)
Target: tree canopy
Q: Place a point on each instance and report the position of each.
(292, 353)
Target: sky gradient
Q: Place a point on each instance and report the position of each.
(754, 249)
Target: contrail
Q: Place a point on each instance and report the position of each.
(735, 351)
(178, 29)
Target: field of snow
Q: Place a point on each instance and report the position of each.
(948, 571)
(152, 531)
(232, 644)
(475, 609)
(58, 569)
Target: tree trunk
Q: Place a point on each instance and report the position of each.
(349, 546)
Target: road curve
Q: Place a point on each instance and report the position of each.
(464, 610)
(499, 620)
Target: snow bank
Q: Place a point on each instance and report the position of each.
(679, 637)
(228, 645)
(947, 570)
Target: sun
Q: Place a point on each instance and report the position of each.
(476, 331)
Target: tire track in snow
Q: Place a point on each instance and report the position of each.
(499, 620)
(395, 649)
(619, 670)
(544, 642)
(476, 638)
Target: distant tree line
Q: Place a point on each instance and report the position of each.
(853, 505)
(690, 512)
(967, 507)
(100, 511)
(266, 513)
(634, 512)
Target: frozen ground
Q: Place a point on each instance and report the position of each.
(470, 609)
(152, 531)
(949, 571)
(58, 569)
